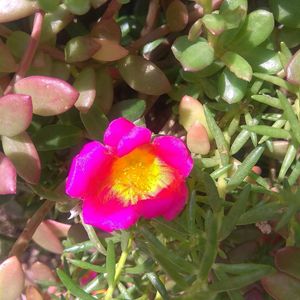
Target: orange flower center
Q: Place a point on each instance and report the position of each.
(139, 175)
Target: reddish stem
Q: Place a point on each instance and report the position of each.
(112, 9)
(151, 17)
(30, 51)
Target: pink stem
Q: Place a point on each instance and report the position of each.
(30, 51)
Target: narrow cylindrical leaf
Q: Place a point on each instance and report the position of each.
(287, 161)
(218, 136)
(22, 152)
(110, 262)
(15, 114)
(143, 76)
(8, 176)
(73, 286)
(50, 96)
(271, 101)
(268, 131)
(159, 286)
(12, 279)
(290, 116)
(246, 166)
(85, 84)
(238, 208)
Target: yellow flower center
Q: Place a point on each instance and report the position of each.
(139, 175)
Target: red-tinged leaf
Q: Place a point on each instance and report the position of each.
(15, 114)
(39, 272)
(107, 29)
(177, 16)
(50, 96)
(293, 69)
(287, 260)
(110, 51)
(143, 76)
(85, 83)
(59, 229)
(81, 48)
(45, 238)
(33, 294)
(15, 10)
(281, 286)
(22, 152)
(190, 111)
(8, 176)
(11, 279)
(7, 62)
(197, 139)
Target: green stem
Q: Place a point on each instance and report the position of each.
(93, 237)
(119, 268)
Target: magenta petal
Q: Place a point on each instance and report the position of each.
(136, 137)
(88, 167)
(108, 216)
(174, 152)
(168, 203)
(116, 130)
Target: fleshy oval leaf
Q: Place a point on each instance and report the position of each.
(15, 10)
(287, 260)
(143, 76)
(197, 139)
(22, 152)
(85, 84)
(12, 279)
(293, 69)
(177, 16)
(110, 51)
(8, 176)
(81, 48)
(39, 272)
(46, 238)
(286, 12)
(33, 294)
(256, 29)
(232, 89)
(50, 96)
(190, 112)
(15, 114)
(107, 29)
(281, 286)
(7, 62)
(193, 55)
(104, 90)
(237, 65)
(214, 23)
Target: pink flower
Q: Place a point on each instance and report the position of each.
(129, 177)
